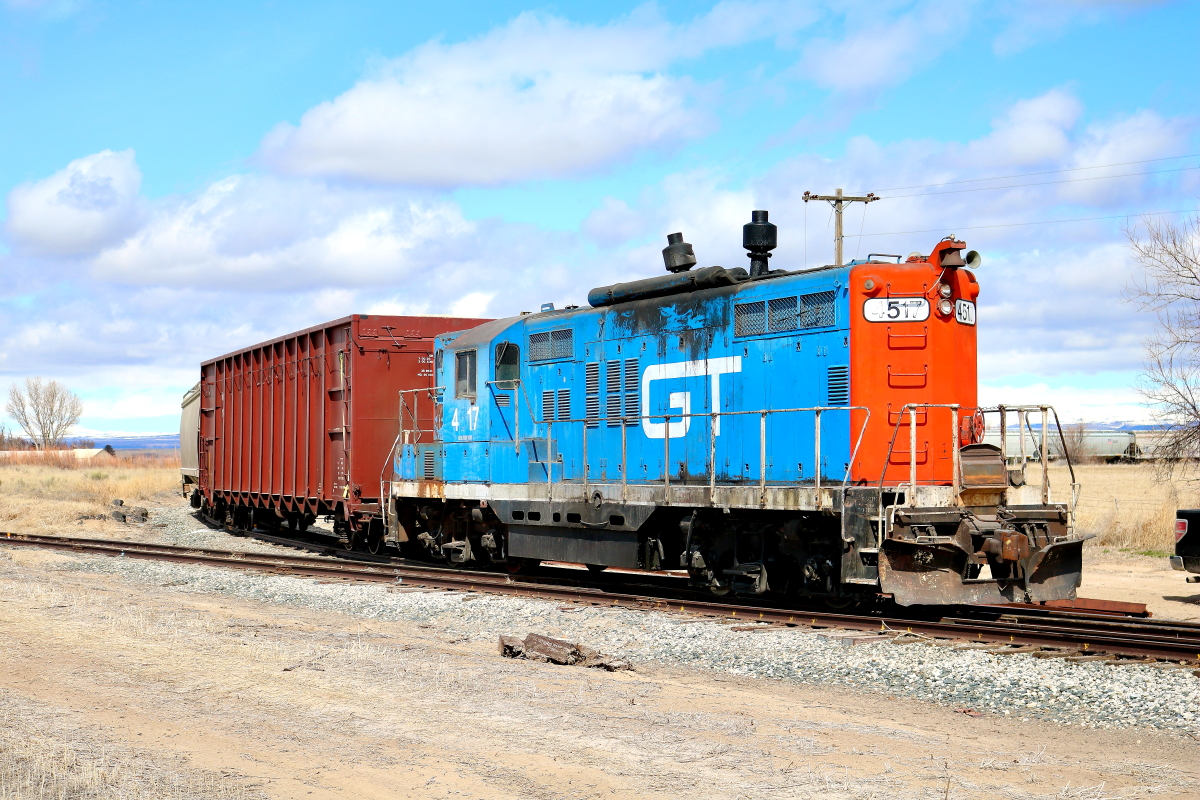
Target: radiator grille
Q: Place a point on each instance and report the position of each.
(539, 346)
(547, 406)
(816, 310)
(562, 343)
(781, 315)
(749, 319)
(551, 344)
(564, 403)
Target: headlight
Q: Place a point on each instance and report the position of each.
(944, 290)
(946, 307)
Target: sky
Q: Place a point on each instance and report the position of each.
(185, 179)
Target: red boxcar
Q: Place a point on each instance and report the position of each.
(304, 425)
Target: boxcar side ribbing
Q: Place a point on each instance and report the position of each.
(304, 424)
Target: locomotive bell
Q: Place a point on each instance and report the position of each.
(678, 255)
(760, 238)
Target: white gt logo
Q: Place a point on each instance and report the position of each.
(682, 401)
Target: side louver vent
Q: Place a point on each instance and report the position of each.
(429, 465)
(839, 386)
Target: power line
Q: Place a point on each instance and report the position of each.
(1042, 183)
(1020, 224)
(1034, 174)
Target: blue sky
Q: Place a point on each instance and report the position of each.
(182, 180)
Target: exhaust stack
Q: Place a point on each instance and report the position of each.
(678, 255)
(760, 238)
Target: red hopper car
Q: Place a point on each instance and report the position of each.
(304, 425)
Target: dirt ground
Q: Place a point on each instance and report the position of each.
(110, 688)
(253, 699)
(1140, 579)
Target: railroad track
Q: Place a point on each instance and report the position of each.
(1046, 631)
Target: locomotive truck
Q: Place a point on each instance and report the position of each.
(798, 432)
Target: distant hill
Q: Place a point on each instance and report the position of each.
(159, 441)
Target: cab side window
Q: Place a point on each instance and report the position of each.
(464, 374)
(508, 364)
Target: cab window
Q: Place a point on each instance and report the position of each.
(508, 364)
(464, 374)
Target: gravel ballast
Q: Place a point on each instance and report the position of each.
(1100, 695)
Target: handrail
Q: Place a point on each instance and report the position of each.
(1023, 412)
(911, 408)
(713, 416)
(667, 418)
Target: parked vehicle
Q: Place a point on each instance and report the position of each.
(1187, 543)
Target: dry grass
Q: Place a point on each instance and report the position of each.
(1129, 507)
(43, 757)
(42, 496)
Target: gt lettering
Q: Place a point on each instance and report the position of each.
(682, 401)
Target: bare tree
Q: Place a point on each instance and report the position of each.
(1169, 287)
(9, 441)
(45, 410)
(1079, 449)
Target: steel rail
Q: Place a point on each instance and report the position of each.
(1088, 635)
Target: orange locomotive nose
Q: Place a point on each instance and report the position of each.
(913, 341)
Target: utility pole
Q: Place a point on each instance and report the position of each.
(838, 202)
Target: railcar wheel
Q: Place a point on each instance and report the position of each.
(596, 567)
(520, 565)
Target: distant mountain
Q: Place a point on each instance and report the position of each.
(155, 441)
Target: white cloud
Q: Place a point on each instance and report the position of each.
(474, 304)
(1028, 22)
(539, 97)
(283, 235)
(614, 222)
(1073, 403)
(1032, 131)
(880, 50)
(91, 202)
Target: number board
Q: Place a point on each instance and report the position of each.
(964, 312)
(896, 309)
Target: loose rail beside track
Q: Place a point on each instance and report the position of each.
(1054, 629)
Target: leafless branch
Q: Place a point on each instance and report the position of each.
(45, 410)
(1169, 287)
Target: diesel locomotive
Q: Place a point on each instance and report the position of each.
(794, 432)
(800, 432)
